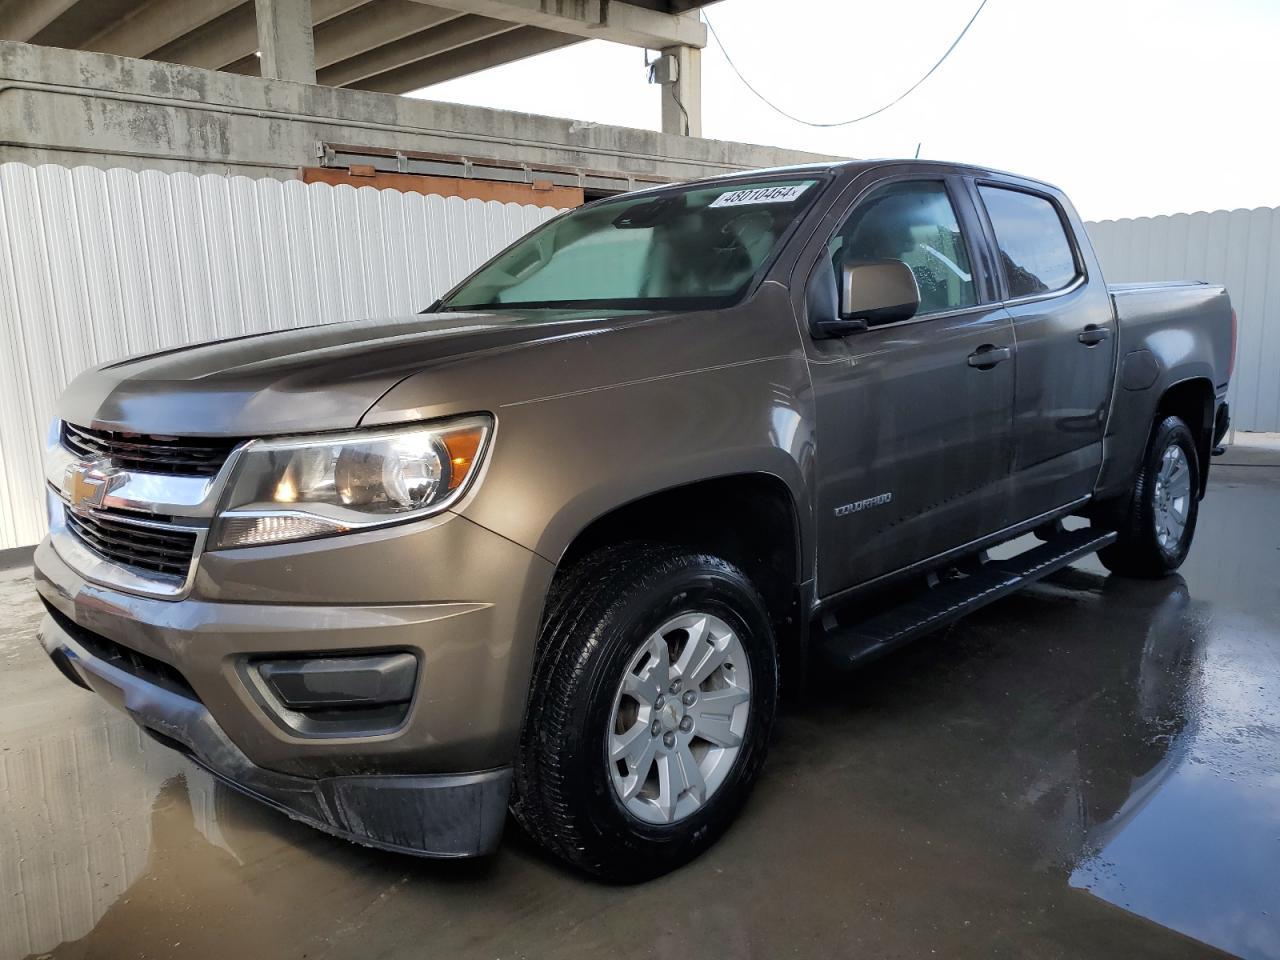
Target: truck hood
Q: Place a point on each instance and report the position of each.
(309, 379)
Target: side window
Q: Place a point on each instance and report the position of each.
(1034, 246)
(913, 222)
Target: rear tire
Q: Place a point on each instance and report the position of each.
(602, 617)
(1159, 523)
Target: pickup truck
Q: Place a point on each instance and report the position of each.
(555, 545)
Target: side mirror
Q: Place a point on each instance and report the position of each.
(877, 291)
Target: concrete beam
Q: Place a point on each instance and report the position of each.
(380, 23)
(438, 40)
(225, 40)
(154, 24)
(250, 66)
(593, 20)
(515, 44)
(682, 97)
(234, 36)
(23, 19)
(75, 108)
(285, 40)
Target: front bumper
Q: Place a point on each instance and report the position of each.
(434, 815)
(437, 784)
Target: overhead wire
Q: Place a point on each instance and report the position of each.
(840, 123)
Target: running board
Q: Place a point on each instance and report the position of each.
(952, 599)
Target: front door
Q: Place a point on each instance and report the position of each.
(914, 417)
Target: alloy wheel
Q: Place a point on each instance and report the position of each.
(1172, 497)
(678, 718)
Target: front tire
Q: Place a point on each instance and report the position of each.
(653, 699)
(1160, 522)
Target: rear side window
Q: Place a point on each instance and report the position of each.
(1034, 246)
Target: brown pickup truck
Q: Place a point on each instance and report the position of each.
(552, 545)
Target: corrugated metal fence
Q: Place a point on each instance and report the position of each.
(1237, 248)
(98, 265)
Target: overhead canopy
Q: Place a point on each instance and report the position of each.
(390, 46)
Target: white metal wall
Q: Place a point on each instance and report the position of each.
(98, 265)
(1237, 248)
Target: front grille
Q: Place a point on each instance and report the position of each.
(117, 536)
(147, 453)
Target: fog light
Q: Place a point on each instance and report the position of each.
(329, 683)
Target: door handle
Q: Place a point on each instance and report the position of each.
(988, 355)
(1092, 335)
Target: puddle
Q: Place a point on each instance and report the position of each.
(1196, 845)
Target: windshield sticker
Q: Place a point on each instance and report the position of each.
(745, 198)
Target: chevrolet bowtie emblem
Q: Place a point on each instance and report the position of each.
(86, 485)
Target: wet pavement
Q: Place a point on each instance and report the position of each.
(1087, 769)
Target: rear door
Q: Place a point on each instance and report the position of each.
(914, 445)
(1064, 326)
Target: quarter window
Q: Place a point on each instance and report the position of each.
(1034, 247)
(913, 222)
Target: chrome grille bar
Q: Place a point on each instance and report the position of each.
(148, 454)
(151, 546)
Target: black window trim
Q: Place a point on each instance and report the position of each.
(1082, 271)
(985, 289)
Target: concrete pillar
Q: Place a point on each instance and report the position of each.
(284, 40)
(682, 96)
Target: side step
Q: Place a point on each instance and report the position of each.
(952, 599)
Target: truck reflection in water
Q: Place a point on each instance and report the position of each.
(1146, 732)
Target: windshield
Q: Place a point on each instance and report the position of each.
(678, 249)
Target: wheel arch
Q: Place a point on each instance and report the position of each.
(750, 519)
(1186, 392)
(1192, 401)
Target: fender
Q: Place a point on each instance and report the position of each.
(625, 408)
(1163, 342)
(559, 468)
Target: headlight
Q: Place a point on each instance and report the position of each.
(298, 488)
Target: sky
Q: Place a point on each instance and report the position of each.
(1134, 107)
